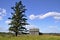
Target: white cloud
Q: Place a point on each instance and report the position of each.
(2, 13)
(32, 17)
(8, 21)
(45, 15)
(55, 15)
(30, 26)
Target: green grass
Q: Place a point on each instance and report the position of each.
(30, 37)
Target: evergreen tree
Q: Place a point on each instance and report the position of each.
(18, 19)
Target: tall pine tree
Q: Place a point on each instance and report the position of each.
(18, 18)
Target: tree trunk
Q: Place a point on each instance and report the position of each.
(16, 33)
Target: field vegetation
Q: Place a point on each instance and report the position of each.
(29, 37)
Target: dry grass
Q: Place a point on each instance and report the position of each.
(30, 37)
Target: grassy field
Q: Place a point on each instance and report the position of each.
(30, 37)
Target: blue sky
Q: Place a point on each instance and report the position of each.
(42, 14)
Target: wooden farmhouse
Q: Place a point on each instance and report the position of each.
(34, 31)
